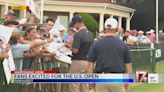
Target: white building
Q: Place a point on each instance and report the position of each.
(65, 9)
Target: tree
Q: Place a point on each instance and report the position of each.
(90, 23)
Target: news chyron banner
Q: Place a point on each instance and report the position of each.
(54, 77)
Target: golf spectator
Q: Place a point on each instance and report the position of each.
(147, 34)
(41, 32)
(152, 35)
(126, 35)
(142, 38)
(49, 24)
(161, 35)
(9, 15)
(119, 33)
(70, 38)
(3, 55)
(131, 37)
(20, 45)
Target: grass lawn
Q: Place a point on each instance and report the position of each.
(160, 68)
(143, 87)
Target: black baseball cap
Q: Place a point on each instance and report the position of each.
(10, 22)
(75, 19)
(41, 29)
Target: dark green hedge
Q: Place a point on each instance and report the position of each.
(90, 22)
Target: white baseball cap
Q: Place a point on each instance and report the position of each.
(61, 28)
(152, 31)
(22, 21)
(111, 22)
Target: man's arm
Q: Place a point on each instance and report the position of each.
(128, 60)
(36, 43)
(39, 42)
(128, 71)
(90, 67)
(129, 68)
(128, 64)
(91, 57)
(3, 55)
(75, 51)
(76, 44)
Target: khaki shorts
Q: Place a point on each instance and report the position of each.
(78, 66)
(115, 87)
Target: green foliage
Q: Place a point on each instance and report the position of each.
(90, 23)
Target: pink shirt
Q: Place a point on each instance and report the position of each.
(152, 37)
(71, 37)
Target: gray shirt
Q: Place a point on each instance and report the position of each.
(19, 49)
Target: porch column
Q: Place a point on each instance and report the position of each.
(127, 23)
(119, 21)
(101, 22)
(70, 15)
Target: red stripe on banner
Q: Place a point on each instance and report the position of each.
(51, 71)
(27, 8)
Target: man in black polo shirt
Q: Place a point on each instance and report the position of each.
(111, 55)
(83, 39)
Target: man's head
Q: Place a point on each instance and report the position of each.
(127, 32)
(10, 15)
(111, 25)
(120, 30)
(49, 24)
(140, 33)
(31, 32)
(41, 30)
(134, 32)
(62, 30)
(77, 22)
(17, 38)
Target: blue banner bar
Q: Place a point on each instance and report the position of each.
(85, 80)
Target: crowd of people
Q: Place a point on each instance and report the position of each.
(30, 43)
(137, 37)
